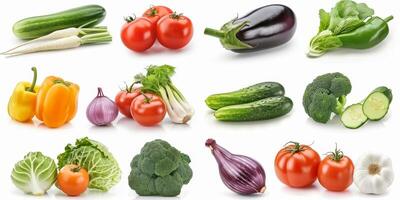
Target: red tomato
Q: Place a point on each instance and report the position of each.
(154, 13)
(124, 99)
(73, 180)
(148, 109)
(138, 34)
(297, 165)
(335, 173)
(174, 31)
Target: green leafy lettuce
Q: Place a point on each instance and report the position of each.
(345, 17)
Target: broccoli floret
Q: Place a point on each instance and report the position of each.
(326, 95)
(159, 170)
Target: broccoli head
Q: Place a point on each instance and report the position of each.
(326, 95)
(159, 170)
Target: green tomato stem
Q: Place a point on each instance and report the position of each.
(296, 147)
(76, 169)
(336, 155)
(146, 98)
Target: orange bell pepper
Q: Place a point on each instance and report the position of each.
(57, 102)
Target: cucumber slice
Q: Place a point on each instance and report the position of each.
(353, 116)
(386, 91)
(376, 105)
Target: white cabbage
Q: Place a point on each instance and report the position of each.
(35, 174)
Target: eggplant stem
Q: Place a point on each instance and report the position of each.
(214, 32)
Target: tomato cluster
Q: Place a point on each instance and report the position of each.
(145, 108)
(172, 30)
(300, 166)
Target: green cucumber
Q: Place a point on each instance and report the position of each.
(376, 105)
(353, 116)
(34, 27)
(245, 95)
(263, 109)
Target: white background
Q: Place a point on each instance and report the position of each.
(203, 68)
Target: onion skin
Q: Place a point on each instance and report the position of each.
(102, 110)
(239, 173)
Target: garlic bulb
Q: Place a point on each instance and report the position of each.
(373, 173)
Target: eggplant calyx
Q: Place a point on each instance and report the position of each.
(227, 35)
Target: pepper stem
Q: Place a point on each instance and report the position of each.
(60, 81)
(387, 19)
(214, 32)
(33, 84)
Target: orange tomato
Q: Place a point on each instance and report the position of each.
(73, 180)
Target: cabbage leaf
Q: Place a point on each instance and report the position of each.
(104, 171)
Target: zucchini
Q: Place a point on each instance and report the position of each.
(376, 105)
(34, 27)
(245, 95)
(263, 109)
(353, 116)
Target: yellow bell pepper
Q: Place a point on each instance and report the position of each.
(57, 102)
(22, 103)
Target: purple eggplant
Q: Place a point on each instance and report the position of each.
(266, 27)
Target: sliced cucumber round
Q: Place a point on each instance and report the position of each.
(353, 116)
(376, 105)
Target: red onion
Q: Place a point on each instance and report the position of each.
(102, 110)
(239, 173)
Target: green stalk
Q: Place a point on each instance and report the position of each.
(172, 86)
(387, 19)
(214, 32)
(336, 155)
(96, 38)
(99, 29)
(33, 84)
(341, 102)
